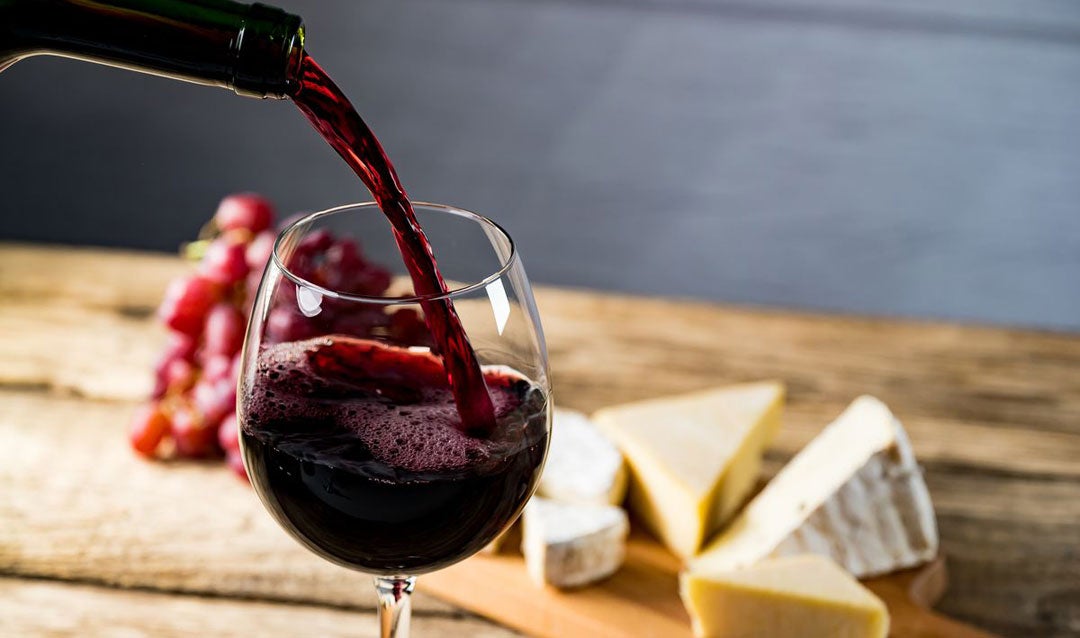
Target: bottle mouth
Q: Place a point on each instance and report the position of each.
(295, 65)
(269, 50)
(287, 238)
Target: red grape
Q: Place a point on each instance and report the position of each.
(178, 375)
(360, 322)
(160, 386)
(259, 250)
(344, 269)
(193, 437)
(180, 346)
(228, 434)
(342, 260)
(304, 260)
(217, 367)
(169, 369)
(234, 369)
(408, 329)
(225, 261)
(287, 324)
(214, 400)
(225, 326)
(235, 460)
(246, 211)
(370, 280)
(187, 300)
(148, 427)
(315, 243)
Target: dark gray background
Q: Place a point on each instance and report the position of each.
(908, 157)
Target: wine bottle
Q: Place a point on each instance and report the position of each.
(255, 49)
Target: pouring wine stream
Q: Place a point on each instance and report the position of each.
(334, 117)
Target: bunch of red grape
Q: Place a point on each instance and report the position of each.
(337, 263)
(193, 404)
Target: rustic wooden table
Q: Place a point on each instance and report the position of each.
(92, 538)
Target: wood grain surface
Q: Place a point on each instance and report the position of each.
(30, 608)
(994, 415)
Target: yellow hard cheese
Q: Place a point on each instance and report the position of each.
(807, 596)
(693, 458)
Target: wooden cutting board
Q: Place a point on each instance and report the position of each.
(642, 599)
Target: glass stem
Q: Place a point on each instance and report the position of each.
(394, 607)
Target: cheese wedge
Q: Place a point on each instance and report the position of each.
(855, 494)
(582, 466)
(570, 544)
(693, 458)
(805, 596)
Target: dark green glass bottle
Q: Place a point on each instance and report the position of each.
(253, 49)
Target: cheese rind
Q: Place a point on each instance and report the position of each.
(693, 458)
(807, 596)
(854, 494)
(571, 544)
(582, 466)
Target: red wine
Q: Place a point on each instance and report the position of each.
(330, 112)
(357, 450)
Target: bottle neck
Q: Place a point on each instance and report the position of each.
(255, 50)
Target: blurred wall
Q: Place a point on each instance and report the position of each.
(906, 157)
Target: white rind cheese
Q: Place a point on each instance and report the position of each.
(583, 466)
(854, 494)
(570, 544)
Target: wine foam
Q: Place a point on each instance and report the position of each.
(394, 402)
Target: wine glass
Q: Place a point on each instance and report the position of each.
(349, 430)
